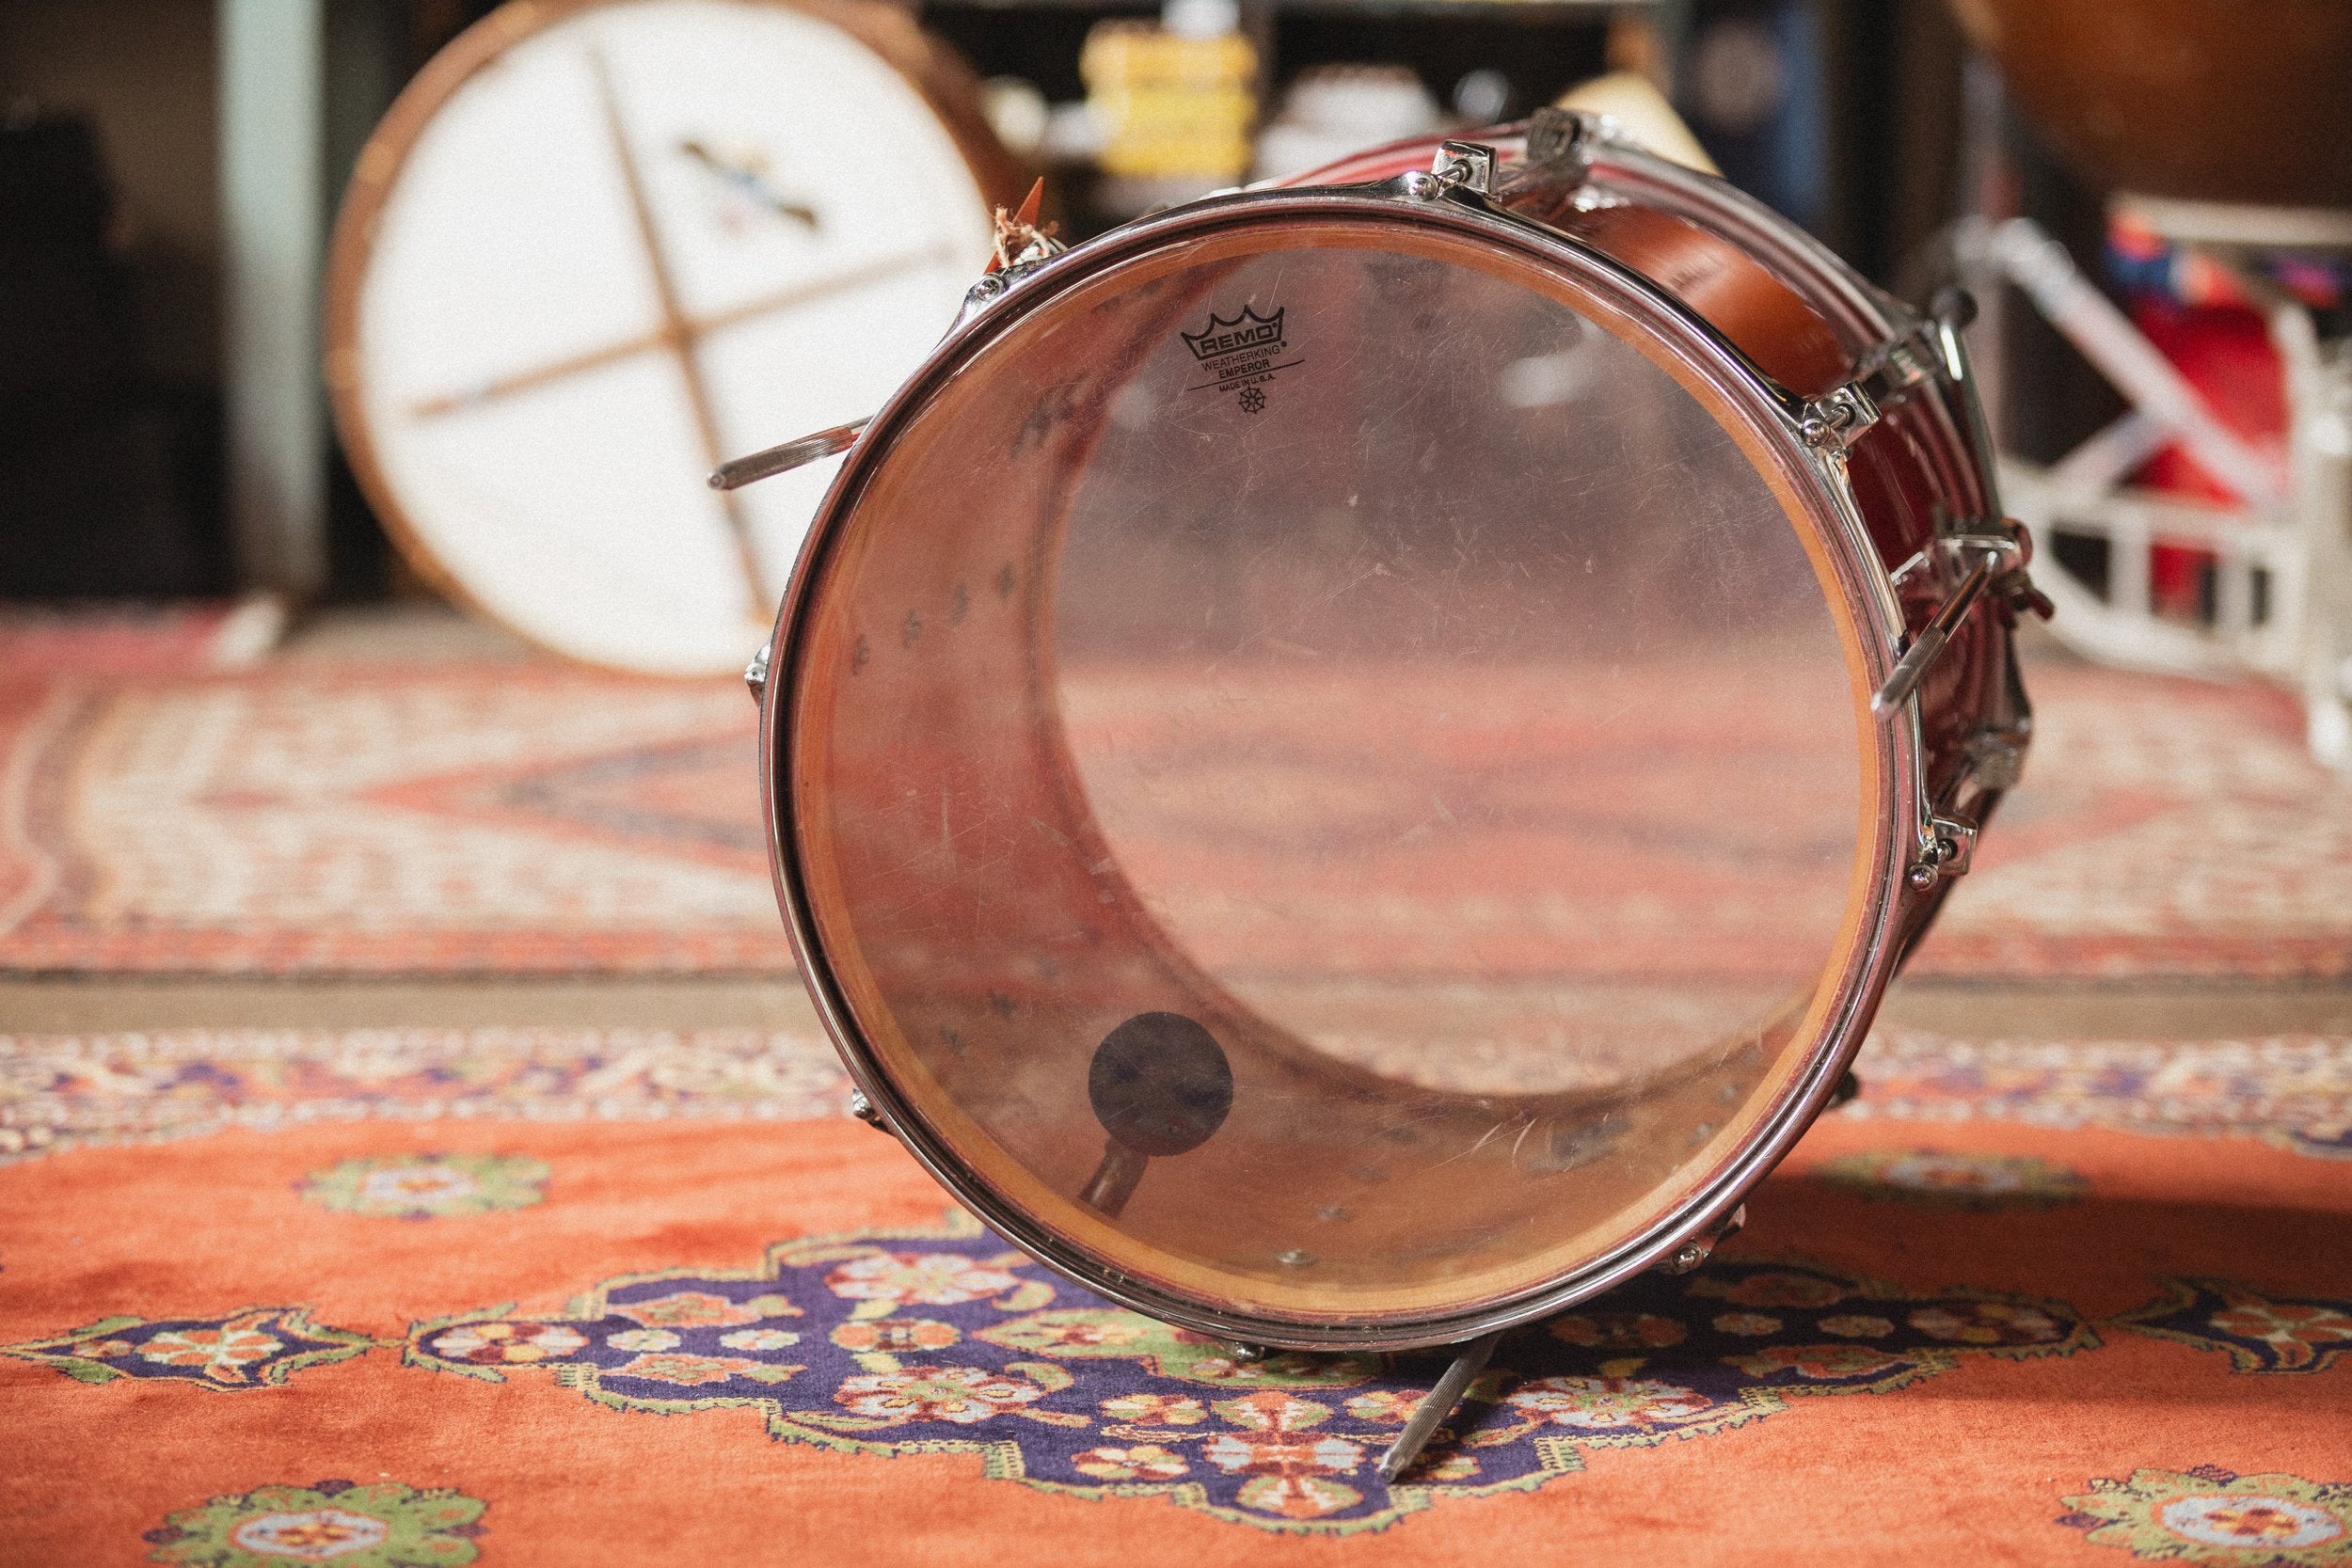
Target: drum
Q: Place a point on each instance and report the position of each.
(593, 248)
(1348, 763)
(2225, 101)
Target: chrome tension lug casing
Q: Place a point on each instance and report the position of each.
(755, 673)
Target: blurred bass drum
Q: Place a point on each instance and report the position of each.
(593, 248)
(2245, 101)
(1321, 752)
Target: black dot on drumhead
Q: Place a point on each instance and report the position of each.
(1160, 1084)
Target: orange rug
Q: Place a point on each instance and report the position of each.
(531, 1298)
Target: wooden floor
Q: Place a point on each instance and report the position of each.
(2140, 1010)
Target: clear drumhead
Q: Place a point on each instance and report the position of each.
(1375, 656)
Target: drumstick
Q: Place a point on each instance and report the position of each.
(1160, 1086)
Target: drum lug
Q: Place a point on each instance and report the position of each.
(1894, 370)
(1951, 844)
(1468, 165)
(1835, 420)
(863, 1110)
(1557, 138)
(1461, 168)
(755, 675)
(1692, 1253)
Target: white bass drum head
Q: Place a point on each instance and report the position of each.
(594, 250)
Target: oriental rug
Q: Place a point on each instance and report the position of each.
(137, 639)
(332, 819)
(533, 1298)
(528, 817)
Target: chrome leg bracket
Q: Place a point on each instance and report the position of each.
(791, 455)
(1999, 565)
(1896, 369)
(1929, 645)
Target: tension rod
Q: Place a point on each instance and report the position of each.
(735, 474)
(1912, 667)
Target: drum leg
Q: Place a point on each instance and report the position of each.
(1468, 1363)
(1113, 1180)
